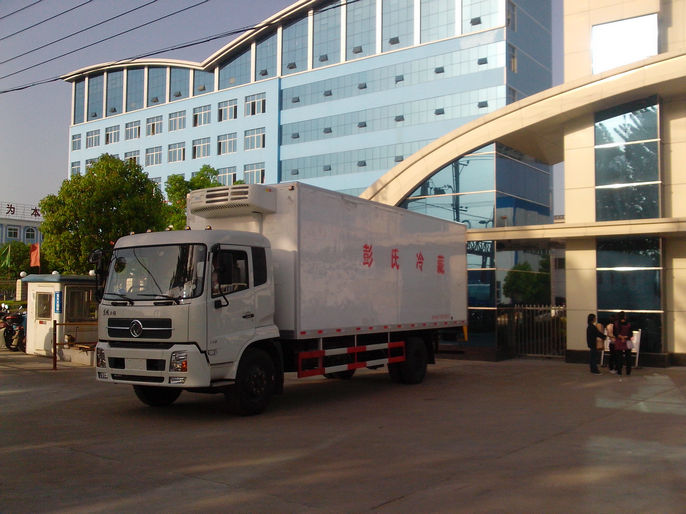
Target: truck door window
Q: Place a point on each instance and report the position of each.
(259, 263)
(229, 272)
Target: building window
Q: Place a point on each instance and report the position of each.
(255, 104)
(235, 72)
(133, 130)
(227, 143)
(134, 156)
(201, 115)
(89, 163)
(75, 168)
(628, 278)
(326, 37)
(254, 139)
(511, 16)
(622, 42)
(76, 142)
(95, 92)
(201, 148)
(227, 110)
(294, 47)
(397, 24)
(512, 58)
(153, 156)
(177, 120)
(112, 135)
(157, 181)
(226, 176)
(79, 99)
(360, 29)
(177, 152)
(157, 81)
(134, 89)
(13, 233)
(92, 138)
(254, 173)
(178, 84)
(203, 82)
(627, 164)
(265, 58)
(30, 235)
(153, 126)
(437, 19)
(115, 92)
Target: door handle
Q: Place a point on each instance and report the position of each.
(248, 315)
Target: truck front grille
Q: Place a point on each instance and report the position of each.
(152, 328)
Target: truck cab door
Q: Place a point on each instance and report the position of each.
(231, 312)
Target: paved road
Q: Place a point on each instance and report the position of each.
(514, 436)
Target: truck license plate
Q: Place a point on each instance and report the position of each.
(137, 364)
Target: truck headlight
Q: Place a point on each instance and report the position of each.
(178, 362)
(100, 360)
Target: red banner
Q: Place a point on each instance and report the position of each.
(35, 255)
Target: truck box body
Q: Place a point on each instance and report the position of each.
(344, 265)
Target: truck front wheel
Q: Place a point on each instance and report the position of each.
(157, 396)
(413, 369)
(254, 385)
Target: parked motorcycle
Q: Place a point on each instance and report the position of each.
(14, 333)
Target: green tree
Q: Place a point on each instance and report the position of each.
(14, 258)
(528, 287)
(177, 187)
(92, 211)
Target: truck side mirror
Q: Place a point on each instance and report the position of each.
(96, 257)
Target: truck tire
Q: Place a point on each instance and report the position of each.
(254, 385)
(413, 369)
(157, 396)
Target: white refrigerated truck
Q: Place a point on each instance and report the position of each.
(274, 279)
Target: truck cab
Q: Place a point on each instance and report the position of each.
(179, 308)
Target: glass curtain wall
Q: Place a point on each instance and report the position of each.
(326, 37)
(115, 92)
(629, 278)
(627, 162)
(492, 187)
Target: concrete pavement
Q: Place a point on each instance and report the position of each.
(511, 436)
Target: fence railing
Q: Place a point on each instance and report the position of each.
(87, 346)
(533, 330)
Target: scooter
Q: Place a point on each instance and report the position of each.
(14, 334)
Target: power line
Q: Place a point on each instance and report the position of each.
(19, 10)
(44, 21)
(77, 32)
(167, 49)
(101, 40)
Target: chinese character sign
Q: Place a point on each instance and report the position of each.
(11, 209)
(20, 211)
(420, 261)
(367, 255)
(440, 265)
(395, 259)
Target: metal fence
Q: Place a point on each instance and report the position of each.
(532, 330)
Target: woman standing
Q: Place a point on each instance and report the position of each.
(623, 337)
(591, 334)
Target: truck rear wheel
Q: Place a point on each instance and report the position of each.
(254, 385)
(157, 396)
(413, 369)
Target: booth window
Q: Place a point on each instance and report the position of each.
(43, 305)
(80, 304)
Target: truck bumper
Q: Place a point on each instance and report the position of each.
(146, 366)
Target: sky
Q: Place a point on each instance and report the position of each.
(34, 122)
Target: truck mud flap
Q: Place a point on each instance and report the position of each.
(316, 362)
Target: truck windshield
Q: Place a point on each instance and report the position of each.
(173, 272)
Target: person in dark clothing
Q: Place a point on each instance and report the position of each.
(623, 335)
(591, 333)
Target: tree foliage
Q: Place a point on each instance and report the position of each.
(92, 211)
(527, 287)
(177, 187)
(14, 258)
